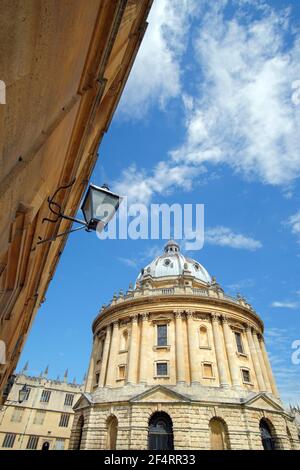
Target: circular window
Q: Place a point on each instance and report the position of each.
(197, 267)
(167, 262)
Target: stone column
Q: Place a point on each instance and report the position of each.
(90, 376)
(195, 367)
(231, 354)
(114, 348)
(262, 362)
(179, 348)
(269, 368)
(255, 360)
(105, 357)
(219, 351)
(143, 348)
(133, 351)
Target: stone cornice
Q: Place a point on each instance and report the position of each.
(168, 303)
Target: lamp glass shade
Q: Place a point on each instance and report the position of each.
(99, 205)
(23, 393)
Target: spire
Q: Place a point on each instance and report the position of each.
(25, 368)
(66, 375)
(46, 372)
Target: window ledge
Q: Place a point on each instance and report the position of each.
(166, 348)
(209, 378)
(120, 380)
(249, 383)
(242, 354)
(123, 350)
(204, 347)
(161, 376)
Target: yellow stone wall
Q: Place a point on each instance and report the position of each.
(65, 64)
(49, 431)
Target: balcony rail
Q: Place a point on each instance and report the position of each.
(180, 290)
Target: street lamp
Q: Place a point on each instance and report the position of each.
(23, 393)
(98, 207)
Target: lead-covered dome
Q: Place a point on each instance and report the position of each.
(173, 263)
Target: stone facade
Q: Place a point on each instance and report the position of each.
(46, 415)
(177, 348)
(65, 65)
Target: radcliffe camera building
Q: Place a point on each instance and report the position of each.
(178, 364)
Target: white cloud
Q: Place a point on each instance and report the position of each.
(242, 284)
(130, 262)
(294, 223)
(140, 186)
(285, 304)
(224, 236)
(244, 115)
(155, 77)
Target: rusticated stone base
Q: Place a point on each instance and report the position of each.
(190, 420)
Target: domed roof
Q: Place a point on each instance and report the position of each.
(173, 263)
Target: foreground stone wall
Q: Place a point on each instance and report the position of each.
(190, 426)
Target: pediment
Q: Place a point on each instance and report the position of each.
(160, 394)
(83, 402)
(264, 402)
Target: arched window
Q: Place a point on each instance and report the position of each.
(124, 341)
(267, 437)
(78, 433)
(112, 432)
(218, 434)
(160, 435)
(203, 333)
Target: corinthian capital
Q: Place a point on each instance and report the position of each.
(178, 313)
(190, 313)
(134, 317)
(215, 317)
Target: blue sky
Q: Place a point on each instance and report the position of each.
(210, 115)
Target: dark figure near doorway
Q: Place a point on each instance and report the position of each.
(45, 446)
(160, 435)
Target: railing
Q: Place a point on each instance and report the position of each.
(167, 291)
(200, 292)
(181, 290)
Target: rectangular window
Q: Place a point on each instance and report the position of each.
(121, 372)
(162, 336)
(69, 398)
(32, 442)
(9, 440)
(246, 376)
(64, 420)
(239, 344)
(161, 368)
(59, 444)
(39, 417)
(45, 397)
(17, 414)
(97, 378)
(208, 370)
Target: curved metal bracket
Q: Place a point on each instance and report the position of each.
(52, 203)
